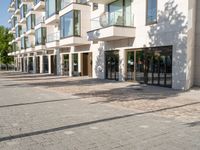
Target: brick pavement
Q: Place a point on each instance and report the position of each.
(53, 113)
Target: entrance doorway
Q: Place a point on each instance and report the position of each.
(65, 65)
(30, 64)
(22, 59)
(38, 64)
(25, 63)
(150, 66)
(112, 65)
(53, 64)
(46, 64)
(87, 64)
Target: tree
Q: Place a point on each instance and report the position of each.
(5, 48)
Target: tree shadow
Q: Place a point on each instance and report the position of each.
(132, 92)
(193, 124)
(171, 29)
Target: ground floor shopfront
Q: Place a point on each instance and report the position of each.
(147, 65)
(151, 66)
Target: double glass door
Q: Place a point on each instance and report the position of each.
(112, 65)
(150, 66)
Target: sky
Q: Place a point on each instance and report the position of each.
(4, 14)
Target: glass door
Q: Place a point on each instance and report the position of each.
(66, 64)
(112, 65)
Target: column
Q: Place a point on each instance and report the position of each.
(122, 65)
(58, 59)
(70, 64)
(34, 64)
(80, 64)
(49, 59)
(41, 64)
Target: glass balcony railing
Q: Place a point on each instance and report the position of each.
(65, 3)
(39, 20)
(112, 19)
(53, 37)
(37, 1)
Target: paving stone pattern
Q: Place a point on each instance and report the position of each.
(40, 112)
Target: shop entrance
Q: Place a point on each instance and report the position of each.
(150, 66)
(87, 64)
(112, 65)
(53, 64)
(38, 64)
(46, 64)
(65, 65)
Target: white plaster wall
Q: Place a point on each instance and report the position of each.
(171, 29)
(197, 46)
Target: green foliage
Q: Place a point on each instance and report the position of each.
(5, 48)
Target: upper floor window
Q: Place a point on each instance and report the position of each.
(30, 22)
(40, 36)
(70, 24)
(23, 11)
(120, 13)
(151, 12)
(94, 6)
(52, 7)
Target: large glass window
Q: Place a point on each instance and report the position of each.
(17, 4)
(120, 13)
(18, 31)
(23, 11)
(150, 66)
(40, 36)
(70, 24)
(52, 7)
(75, 64)
(151, 16)
(30, 22)
(14, 21)
(37, 1)
(23, 42)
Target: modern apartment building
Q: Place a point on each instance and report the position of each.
(153, 42)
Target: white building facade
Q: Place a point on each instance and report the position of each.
(147, 41)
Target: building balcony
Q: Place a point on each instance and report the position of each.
(12, 3)
(30, 48)
(53, 40)
(108, 27)
(40, 47)
(73, 41)
(30, 32)
(40, 22)
(9, 20)
(23, 21)
(52, 20)
(11, 9)
(17, 11)
(101, 1)
(39, 5)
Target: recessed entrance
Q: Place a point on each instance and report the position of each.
(112, 65)
(65, 65)
(87, 64)
(53, 64)
(38, 64)
(22, 59)
(46, 64)
(30, 64)
(150, 66)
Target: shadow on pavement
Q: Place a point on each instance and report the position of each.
(23, 135)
